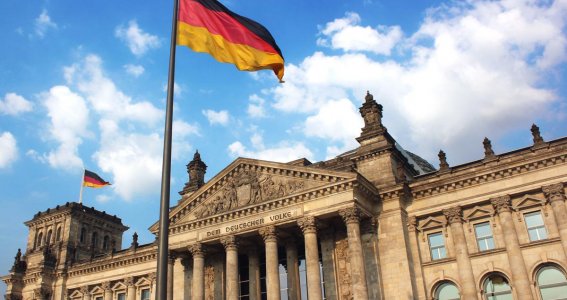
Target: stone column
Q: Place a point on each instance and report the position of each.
(131, 288)
(171, 263)
(307, 225)
(556, 197)
(198, 280)
(84, 290)
(464, 265)
(232, 288)
(272, 265)
(416, 257)
(152, 277)
(254, 273)
(107, 290)
(520, 278)
(294, 289)
(351, 217)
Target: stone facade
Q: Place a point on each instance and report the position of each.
(376, 222)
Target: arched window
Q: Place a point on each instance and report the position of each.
(447, 291)
(552, 283)
(105, 243)
(39, 239)
(83, 235)
(496, 287)
(94, 240)
(48, 237)
(58, 235)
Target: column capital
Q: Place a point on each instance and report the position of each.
(106, 286)
(350, 215)
(412, 223)
(453, 214)
(554, 192)
(152, 276)
(308, 224)
(501, 204)
(171, 257)
(196, 250)
(268, 233)
(129, 281)
(84, 290)
(229, 242)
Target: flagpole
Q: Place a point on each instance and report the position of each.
(82, 186)
(163, 235)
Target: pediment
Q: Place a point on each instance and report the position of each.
(97, 290)
(478, 212)
(249, 182)
(76, 294)
(119, 286)
(143, 282)
(528, 201)
(430, 222)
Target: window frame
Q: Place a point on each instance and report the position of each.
(484, 238)
(538, 273)
(485, 284)
(438, 247)
(538, 227)
(439, 285)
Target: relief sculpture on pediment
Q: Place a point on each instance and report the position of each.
(246, 188)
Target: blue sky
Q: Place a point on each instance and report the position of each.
(82, 84)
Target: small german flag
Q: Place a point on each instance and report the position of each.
(208, 26)
(91, 179)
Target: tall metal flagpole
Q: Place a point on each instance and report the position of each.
(163, 251)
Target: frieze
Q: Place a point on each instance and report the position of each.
(251, 223)
(248, 188)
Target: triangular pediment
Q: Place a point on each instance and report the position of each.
(528, 201)
(478, 212)
(430, 222)
(76, 295)
(249, 182)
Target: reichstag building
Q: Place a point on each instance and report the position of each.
(377, 222)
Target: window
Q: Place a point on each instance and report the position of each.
(536, 228)
(98, 298)
(552, 283)
(496, 287)
(145, 294)
(83, 234)
(94, 240)
(40, 239)
(121, 296)
(105, 243)
(447, 291)
(58, 235)
(437, 246)
(48, 238)
(484, 238)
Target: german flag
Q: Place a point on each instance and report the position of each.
(91, 179)
(208, 26)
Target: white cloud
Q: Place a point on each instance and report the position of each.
(68, 116)
(134, 70)
(256, 106)
(106, 99)
(134, 159)
(8, 149)
(136, 39)
(347, 35)
(177, 89)
(283, 152)
(14, 104)
(217, 117)
(43, 23)
(181, 131)
(470, 70)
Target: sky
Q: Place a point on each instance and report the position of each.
(83, 85)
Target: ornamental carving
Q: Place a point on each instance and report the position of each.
(268, 233)
(229, 242)
(246, 188)
(350, 215)
(307, 224)
(129, 281)
(453, 214)
(501, 204)
(84, 290)
(554, 192)
(412, 223)
(106, 286)
(209, 283)
(343, 266)
(152, 276)
(196, 250)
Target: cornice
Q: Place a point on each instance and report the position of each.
(112, 263)
(265, 206)
(456, 180)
